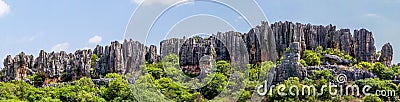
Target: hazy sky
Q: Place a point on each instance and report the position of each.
(54, 25)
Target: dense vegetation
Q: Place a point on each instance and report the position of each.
(165, 82)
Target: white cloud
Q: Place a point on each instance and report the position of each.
(373, 15)
(150, 2)
(95, 39)
(4, 8)
(60, 47)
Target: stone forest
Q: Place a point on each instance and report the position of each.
(285, 53)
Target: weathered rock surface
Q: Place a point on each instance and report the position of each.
(18, 68)
(364, 44)
(386, 55)
(335, 60)
(285, 33)
(192, 51)
(290, 66)
(56, 67)
(151, 55)
(100, 82)
(124, 59)
(361, 46)
(260, 43)
(170, 46)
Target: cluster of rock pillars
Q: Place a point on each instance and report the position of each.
(262, 43)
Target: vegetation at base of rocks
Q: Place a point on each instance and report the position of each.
(217, 85)
(316, 56)
(380, 70)
(159, 83)
(372, 98)
(303, 62)
(311, 58)
(83, 90)
(94, 59)
(37, 77)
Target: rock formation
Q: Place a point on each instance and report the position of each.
(170, 46)
(386, 55)
(290, 66)
(124, 59)
(262, 43)
(364, 44)
(56, 67)
(335, 60)
(18, 68)
(286, 33)
(361, 46)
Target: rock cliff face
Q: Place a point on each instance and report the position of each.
(290, 66)
(170, 46)
(56, 67)
(286, 33)
(361, 46)
(193, 50)
(386, 55)
(18, 68)
(124, 58)
(260, 44)
(364, 44)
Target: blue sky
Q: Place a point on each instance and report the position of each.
(33, 25)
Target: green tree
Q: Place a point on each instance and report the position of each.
(372, 98)
(396, 69)
(116, 88)
(213, 88)
(364, 65)
(223, 67)
(311, 58)
(304, 63)
(382, 72)
(377, 84)
(94, 59)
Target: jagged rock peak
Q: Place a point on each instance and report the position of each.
(17, 68)
(361, 46)
(364, 44)
(386, 55)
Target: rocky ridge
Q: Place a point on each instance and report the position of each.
(361, 45)
(261, 43)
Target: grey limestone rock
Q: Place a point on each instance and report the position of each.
(386, 55)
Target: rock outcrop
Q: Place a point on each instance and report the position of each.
(262, 43)
(125, 58)
(170, 46)
(361, 46)
(60, 67)
(286, 33)
(290, 66)
(335, 60)
(18, 68)
(364, 44)
(386, 55)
